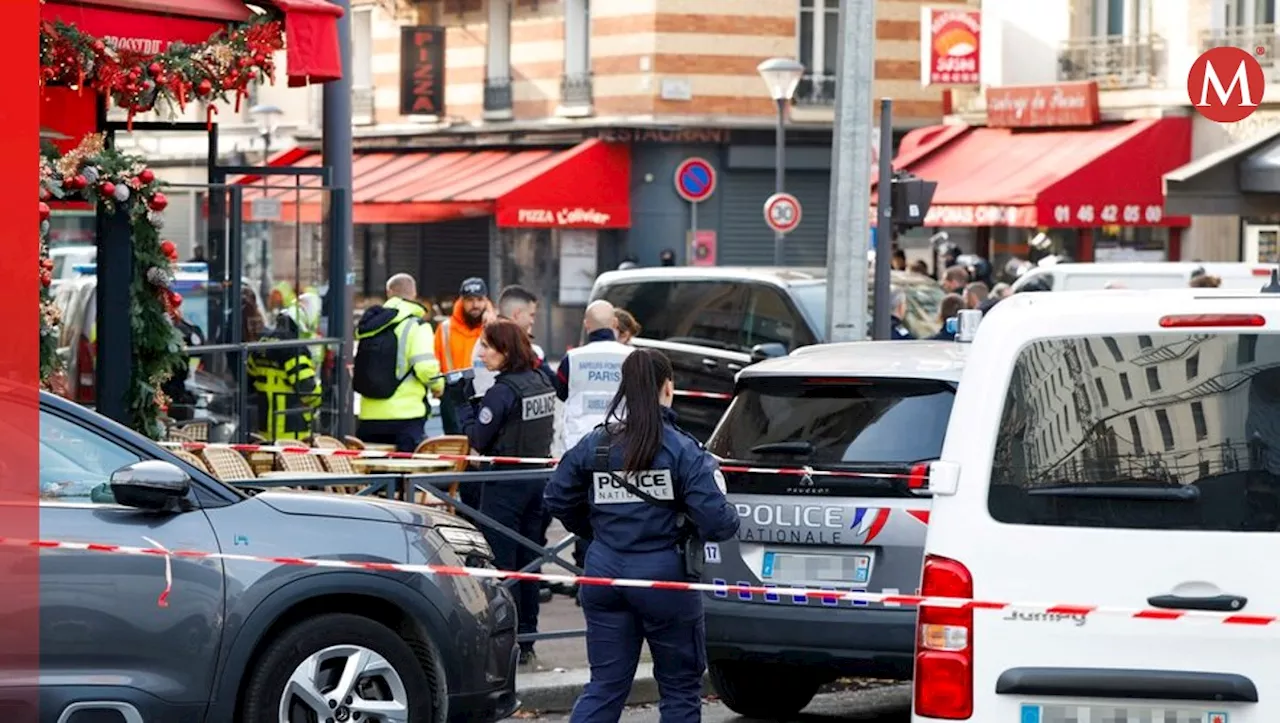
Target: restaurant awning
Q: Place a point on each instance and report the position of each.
(587, 186)
(149, 26)
(1242, 179)
(1104, 175)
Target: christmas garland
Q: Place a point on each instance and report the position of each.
(50, 316)
(118, 182)
(221, 69)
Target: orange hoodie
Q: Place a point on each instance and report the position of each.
(462, 340)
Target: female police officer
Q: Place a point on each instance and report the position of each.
(640, 487)
(516, 419)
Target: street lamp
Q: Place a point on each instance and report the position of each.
(268, 119)
(781, 75)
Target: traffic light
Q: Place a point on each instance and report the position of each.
(910, 198)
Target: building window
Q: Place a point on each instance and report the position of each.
(1246, 349)
(1113, 347)
(1124, 386)
(1088, 350)
(576, 86)
(1197, 419)
(362, 95)
(497, 76)
(1144, 341)
(819, 30)
(1136, 433)
(1193, 366)
(1102, 392)
(1166, 429)
(1153, 379)
(1247, 13)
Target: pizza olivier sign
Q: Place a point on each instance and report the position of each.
(950, 41)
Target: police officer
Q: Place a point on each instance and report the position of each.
(286, 389)
(898, 330)
(587, 381)
(515, 418)
(642, 489)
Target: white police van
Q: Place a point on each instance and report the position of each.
(1117, 449)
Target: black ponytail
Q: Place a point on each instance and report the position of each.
(635, 411)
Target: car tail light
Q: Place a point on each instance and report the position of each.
(918, 477)
(1262, 272)
(1194, 321)
(944, 646)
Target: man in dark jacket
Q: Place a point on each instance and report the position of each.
(950, 306)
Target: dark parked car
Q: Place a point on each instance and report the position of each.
(252, 641)
(714, 321)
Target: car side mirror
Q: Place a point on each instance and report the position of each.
(151, 485)
(772, 350)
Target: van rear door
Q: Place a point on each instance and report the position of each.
(846, 533)
(1135, 468)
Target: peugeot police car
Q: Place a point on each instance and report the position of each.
(1113, 449)
(875, 412)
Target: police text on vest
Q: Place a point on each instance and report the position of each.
(655, 483)
(543, 405)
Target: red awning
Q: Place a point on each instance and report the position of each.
(587, 186)
(1109, 175)
(149, 26)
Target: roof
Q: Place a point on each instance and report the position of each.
(942, 360)
(779, 276)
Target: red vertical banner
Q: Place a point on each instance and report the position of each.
(19, 371)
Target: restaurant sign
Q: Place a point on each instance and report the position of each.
(1060, 215)
(422, 70)
(1043, 106)
(555, 218)
(950, 45)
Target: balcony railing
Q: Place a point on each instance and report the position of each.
(576, 90)
(816, 90)
(1114, 61)
(1250, 37)
(362, 106)
(497, 95)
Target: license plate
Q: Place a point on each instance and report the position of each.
(1120, 714)
(798, 568)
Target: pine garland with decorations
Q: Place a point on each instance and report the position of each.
(51, 372)
(117, 182)
(221, 69)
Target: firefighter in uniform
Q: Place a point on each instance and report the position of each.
(286, 389)
(515, 418)
(648, 496)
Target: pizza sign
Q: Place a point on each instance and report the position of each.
(950, 42)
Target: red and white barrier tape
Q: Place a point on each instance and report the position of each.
(703, 395)
(913, 480)
(1065, 610)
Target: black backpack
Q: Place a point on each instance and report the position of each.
(377, 356)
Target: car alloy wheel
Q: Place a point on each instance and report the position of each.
(344, 683)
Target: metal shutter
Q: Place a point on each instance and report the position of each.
(744, 238)
(404, 252)
(451, 252)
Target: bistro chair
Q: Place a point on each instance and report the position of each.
(227, 465)
(353, 442)
(336, 465)
(444, 444)
(190, 459)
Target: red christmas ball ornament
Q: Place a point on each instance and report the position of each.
(155, 69)
(175, 299)
(244, 62)
(169, 248)
(205, 87)
(44, 211)
(158, 202)
(108, 188)
(162, 79)
(46, 278)
(146, 176)
(99, 46)
(259, 59)
(78, 182)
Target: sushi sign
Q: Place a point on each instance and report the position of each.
(950, 42)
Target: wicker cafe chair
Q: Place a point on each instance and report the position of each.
(227, 465)
(174, 435)
(190, 459)
(353, 442)
(444, 444)
(336, 465)
(198, 431)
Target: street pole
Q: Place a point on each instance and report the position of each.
(779, 179)
(850, 218)
(336, 148)
(884, 224)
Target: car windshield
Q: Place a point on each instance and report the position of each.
(923, 302)
(1103, 431)
(812, 299)
(835, 421)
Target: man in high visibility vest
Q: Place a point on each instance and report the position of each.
(399, 418)
(457, 339)
(286, 390)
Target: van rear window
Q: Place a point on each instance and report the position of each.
(1152, 431)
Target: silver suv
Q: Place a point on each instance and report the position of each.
(879, 408)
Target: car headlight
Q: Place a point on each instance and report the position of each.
(469, 544)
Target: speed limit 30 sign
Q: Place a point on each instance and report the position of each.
(782, 212)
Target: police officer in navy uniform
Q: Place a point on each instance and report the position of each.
(647, 495)
(898, 330)
(516, 418)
